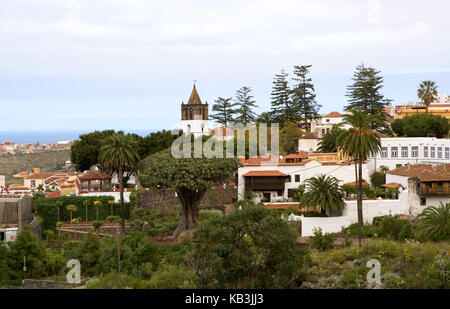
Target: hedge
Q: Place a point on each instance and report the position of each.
(48, 212)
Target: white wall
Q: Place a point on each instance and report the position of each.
(116, 195)
(398, 179)
(308, 144)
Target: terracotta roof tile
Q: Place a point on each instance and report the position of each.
(333, 115)
(264, 173)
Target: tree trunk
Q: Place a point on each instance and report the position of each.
(86, 213)
(118, 256)
(190, 201)
(122, 206)
(71, 216)
(59, 214)
(96, 212)
(359, 202)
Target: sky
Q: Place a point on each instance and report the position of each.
(128, 64)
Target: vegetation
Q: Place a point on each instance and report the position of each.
(245, 106)
(119, 154)
(282, 110)
(323, 193)
(426, 92)
(329, 141)
(223, 111)
(434, 222)
(289, 135)
(421, 125)
(360, 141)
(190, 178)
(250, 248)
(322, 242)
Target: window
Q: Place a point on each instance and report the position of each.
(423, 201)
(280, 192)
(323, 131)
(404, 152)
(327, 120)
(433, 152)
(440, 152)
(384, 152)
(394, 152)
(415, 151)
(33, 183)
(398, 165)
(425, 151)
(297, 178)
(447, 152)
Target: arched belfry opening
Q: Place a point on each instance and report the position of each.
(194, 115)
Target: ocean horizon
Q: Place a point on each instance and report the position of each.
(49, 136)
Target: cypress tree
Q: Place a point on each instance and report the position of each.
(303, 96)
(245, 103)
(223, 110)
(282, 110)
(365, 93)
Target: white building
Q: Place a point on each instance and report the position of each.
(400, 151)
(194, 115)
(275, 181)
(324, 124)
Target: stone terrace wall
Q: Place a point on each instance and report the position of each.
(167, 200)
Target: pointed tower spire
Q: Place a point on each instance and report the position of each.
(194, 98)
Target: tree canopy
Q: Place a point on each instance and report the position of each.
(421, 125)
(223, 110)
(189, 178)
(303, 96)
(244, 106)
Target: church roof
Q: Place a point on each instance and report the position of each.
(194, 98)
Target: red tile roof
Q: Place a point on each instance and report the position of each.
(353, 183)
(333, 115)
(309, 136)
(94, 175)
(424, 172)
(264, 173)
(393, 185)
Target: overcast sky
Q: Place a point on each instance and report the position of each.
(128, 64)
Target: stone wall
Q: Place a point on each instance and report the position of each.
(15, 210)
(50, 284)
(167, 200)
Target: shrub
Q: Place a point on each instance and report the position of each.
(352, 230)
(322, 242)
(172, 277)
(207, 214)
(249, 248)
(392, 227)
(377, 179)
(111, 281)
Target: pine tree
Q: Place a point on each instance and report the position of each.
(245, 103)
(365, 93)
(281, 106)
(223, 110)
(303, 96)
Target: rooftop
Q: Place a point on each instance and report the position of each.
(424, 172)
(264, 173)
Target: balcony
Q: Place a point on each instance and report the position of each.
(434, 191)
(275, 186)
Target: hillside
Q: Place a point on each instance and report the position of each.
(47, 161)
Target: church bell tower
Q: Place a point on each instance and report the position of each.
(194, 115)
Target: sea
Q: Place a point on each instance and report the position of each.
(49, 137)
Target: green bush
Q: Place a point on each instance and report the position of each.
(377, 179)
(434, 223)
(207, 214)
(172, 277)
(111, 281)
(352, 230)
(321, 242)
(391, 227)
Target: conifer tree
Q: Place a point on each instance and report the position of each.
(365, 93)
(281, 105)
(223, 110)
(245, 104)
(303, 96)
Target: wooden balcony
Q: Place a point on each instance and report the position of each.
(435, 191)
(264, 186)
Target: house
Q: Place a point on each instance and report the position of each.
(274, 179)
(426, 185)
(308, 142)
(323, 125)
(48, 181)
(439, 106)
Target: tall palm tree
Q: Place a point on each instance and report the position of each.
(360, 142)
(119, 153)
(426, 92)
(323, 194)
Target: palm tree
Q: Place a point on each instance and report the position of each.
(86, 204)
(323, 194)
(328, 142)
(59, 204)
(434, 222)
(59, 225)
(426, 92)
(71, 208)
(97, 205)
(119, 153)
(360, 141)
